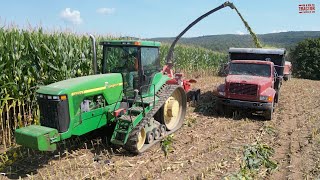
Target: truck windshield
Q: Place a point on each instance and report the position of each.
(250, 69)
(120, 58)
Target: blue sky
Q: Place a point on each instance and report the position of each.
(158, 18)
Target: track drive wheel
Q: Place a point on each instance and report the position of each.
(174, 109)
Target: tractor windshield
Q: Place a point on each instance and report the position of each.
(119, 59)
(137, 64)
(250, 69)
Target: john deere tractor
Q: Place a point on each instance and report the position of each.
(131, 92)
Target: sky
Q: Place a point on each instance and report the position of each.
(158, 18)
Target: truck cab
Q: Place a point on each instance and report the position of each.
(252, 82)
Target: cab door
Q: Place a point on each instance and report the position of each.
(149, 66)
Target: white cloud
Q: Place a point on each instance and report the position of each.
(71, 16)
(106, 11)
(240, 33)
(279, 31)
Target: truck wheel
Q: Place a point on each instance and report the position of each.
(269, 113)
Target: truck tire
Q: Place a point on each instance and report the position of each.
(268, 114)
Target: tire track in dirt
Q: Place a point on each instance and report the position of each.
(199, 147)
(291, 123)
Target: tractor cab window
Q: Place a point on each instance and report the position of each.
(150, 63)
(119, 59)
(124, 60)
(250, 69)
(150, 59)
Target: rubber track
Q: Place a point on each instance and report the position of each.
(164, 93)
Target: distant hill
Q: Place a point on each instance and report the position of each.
(223, 42)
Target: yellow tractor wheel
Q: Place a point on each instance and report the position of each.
(174, 109)
(141, 138)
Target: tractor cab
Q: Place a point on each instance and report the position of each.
(137, 61)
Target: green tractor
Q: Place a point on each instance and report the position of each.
(132, 93)
(144, 102)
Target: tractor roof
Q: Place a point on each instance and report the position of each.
(130, 43)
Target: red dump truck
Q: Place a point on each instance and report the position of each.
(287, 71)
(253, 81)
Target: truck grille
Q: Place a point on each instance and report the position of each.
(243, 89)
(54, 114)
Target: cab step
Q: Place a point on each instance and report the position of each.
(121, 131)
(127, 118)
(136, 109)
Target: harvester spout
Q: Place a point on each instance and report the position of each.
(169, 58)
(170, 53)
(94, 51)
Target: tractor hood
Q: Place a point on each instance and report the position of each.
(259, 80)
(82, 85)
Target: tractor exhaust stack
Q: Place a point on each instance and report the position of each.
(94, 61)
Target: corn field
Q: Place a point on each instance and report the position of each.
(32, 58)
(196, 60)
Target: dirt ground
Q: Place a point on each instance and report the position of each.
(206, 147)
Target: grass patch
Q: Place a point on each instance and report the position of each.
(166, 144)
(256, 159)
